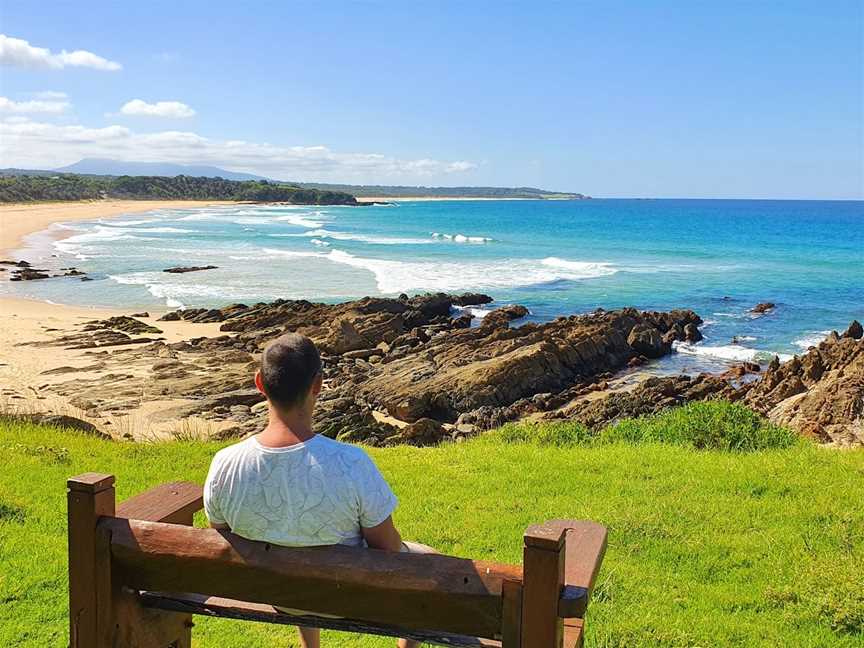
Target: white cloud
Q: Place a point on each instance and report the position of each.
(19, 53)
(38, 106)
(31, 144)
(171, 109)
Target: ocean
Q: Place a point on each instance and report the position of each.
(717, 257)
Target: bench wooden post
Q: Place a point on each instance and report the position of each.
(543, 579)
(103, 613)
(90, 496)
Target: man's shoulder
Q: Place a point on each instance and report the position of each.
(345, 450)
(232, 451)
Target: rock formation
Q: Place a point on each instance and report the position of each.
(418, 370)
(819, 394)
(388, 363)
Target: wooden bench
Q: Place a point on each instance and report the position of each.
(139, 571)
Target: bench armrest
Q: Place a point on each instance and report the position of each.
(173, 503)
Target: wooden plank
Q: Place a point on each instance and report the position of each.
(173, 503)
(90, 496)
(417, 592)
(543, 579)
(511, 628)
(574, 633)
(227, 608)
(585, 545)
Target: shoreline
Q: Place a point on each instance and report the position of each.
(20, 220)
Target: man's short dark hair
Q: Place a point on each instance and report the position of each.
(289, 366)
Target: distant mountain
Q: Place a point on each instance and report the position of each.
(102, 166)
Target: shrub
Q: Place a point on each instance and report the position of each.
(559, 434)
(715, 425)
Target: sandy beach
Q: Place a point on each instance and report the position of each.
(23, 367)
(18, 220)
(28, 370)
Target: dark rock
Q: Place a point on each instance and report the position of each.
(28, 274)
(423, 432)
(184, 269)
(68, 422)
(763, 307)
(692, 333)
(144, 314)
(471, 299)
(121, 323)
(647, 340)
(855, 331)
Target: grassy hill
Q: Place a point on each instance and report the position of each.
(724, 530)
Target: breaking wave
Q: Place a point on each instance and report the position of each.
(731, 352)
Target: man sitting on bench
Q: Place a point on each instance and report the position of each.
(291, 487)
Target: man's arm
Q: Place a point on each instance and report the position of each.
(384, 536)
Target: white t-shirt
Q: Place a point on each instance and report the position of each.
(320, 492)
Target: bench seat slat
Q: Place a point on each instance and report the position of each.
(228, 608)
(173, 503)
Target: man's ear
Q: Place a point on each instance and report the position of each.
(259, 384)
(316, 385)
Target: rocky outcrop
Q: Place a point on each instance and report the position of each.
(121, 323)
(762, 308)
(185, 269)
(408, 359)
(648, 397)
(28, 274)
(819, 394)
(24, 271)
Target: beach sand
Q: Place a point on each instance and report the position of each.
(22, 377)
(25, 385)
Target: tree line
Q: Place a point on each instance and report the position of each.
(29, 188)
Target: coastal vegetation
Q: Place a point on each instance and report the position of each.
(31, 188)
(724, 529)
(103, 168)
(402, 191)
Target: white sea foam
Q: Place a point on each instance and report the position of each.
(78, 244)
(811, 339)
(301, 220)
(585, 269)
(319, 242)
(131, 223)
(460, 238)
(403, 276)
(733, 352)
(176, 290)
(477, 311)
(362, 238)
(151, 230)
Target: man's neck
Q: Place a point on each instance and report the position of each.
(286, 429)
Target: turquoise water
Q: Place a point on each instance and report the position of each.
(718, 257)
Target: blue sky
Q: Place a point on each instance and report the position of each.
(662, 99)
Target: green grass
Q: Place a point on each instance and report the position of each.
(759, 543)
